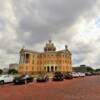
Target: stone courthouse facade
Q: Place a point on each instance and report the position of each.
(48, 61)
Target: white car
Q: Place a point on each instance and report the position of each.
(81, 74)
(6, 79)
(75, 74)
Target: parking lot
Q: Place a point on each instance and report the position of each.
(87, 88)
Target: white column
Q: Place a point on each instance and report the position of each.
(20, 60)
(54, 68)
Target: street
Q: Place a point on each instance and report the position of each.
(87, 88)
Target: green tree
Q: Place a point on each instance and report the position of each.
(83, 69)
(12, 71)
(89, 69)
(1, 71)
(97, 70)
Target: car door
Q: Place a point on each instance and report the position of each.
(27, 78)
(6, 78)
(10, 78)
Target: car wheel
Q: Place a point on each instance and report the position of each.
(1, 82)
(46, 79)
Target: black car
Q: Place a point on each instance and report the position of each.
(68, 76)
(24, 79)
(88, 73)
(95, 73)
(42, 78)
(58, 76)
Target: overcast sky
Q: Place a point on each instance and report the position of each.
(31, 23)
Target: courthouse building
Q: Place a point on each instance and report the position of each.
(50, 60)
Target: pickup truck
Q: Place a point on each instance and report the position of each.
(6, 79)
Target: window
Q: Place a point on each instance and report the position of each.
(45, 68)
(27, 58)
(32, 68)
(56, 68)
(26, 67)
(33, 62)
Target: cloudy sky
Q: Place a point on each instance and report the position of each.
(31, 23)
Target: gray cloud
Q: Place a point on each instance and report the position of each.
(40, 19)
(81, 51)
(32, 22)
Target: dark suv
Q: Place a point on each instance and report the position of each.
(68, 75)
(58, 76)
(42, 78)
(23, 79)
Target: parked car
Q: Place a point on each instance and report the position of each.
(24, 79)
(81, 74)
(95, 73)
(42, 78)
(6, 79)
(75, 74)
(88, 73)
(68, 76)
(58, 76)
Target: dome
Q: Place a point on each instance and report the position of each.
(49, 46)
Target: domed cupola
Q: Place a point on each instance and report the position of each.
(49, 47)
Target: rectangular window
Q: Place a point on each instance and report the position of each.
(26, 67)
(33, 62)
(27, 58)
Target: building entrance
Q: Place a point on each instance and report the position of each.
(50, 68)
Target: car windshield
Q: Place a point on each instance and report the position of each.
(23, 76)
(41, 75)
